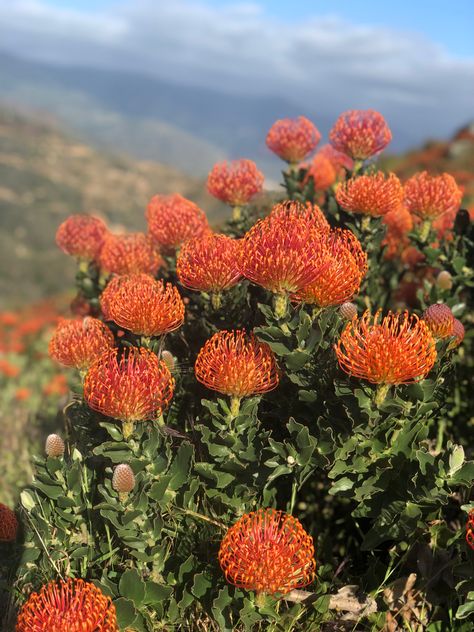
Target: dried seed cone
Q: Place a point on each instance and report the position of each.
(8, 524)
(123, 479)
(68, 606)
(54, 445)
(440, 320)
(348, 310)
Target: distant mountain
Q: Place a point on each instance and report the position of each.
(46, 175)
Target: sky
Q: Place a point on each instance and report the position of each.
(411, 59)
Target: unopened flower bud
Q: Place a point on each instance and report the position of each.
(168, 359)
(444, 280)
(290, 460)
(458, 332)
(8, 524)
(123, 479)
(440, 320)
(54, 445)
(348, 311)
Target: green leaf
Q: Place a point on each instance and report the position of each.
(156, 593)
(27, 500)
(467, 608)
(125, 612)
(456, 459)
(342, 485)
(201, 584)
(180, 467)
(132, 587)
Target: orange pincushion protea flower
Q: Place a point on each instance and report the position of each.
(397, 349)
(8, 524)
(269, 552)
(440, 320)
(78, 343)
(339, 160)
(321, 171)
(236, 364)
(309, 212)
(430, 197)
(399, 223)
(129, 254)
(68, 606)
(143, 305)
(293, 139)
(209, 263)
(373, 195)
(82, 236)
(470, 529)
(360, 134)
(458, 332)
(134, 387)
(172, 220)
(235, 183)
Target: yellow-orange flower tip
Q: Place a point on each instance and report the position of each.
(440, 320)
(236, 182)
(348, 310)
(82, 236)
(458, 332)
(73, 605)
(309, 212)
(129, 254)
(8, 524)
(293, 139)
(360, 134)
(430, 197)
(444, 280)
(322, 172)
(209, 263)
(78, 343)
(284, 251)
(373, 195)
(135, 386)
(339, 160)
(237, 364)
(143, 305)
(123, 478)
(470, 529)
(269, 552)
(172, 220)
(54, 445)
(396, 349)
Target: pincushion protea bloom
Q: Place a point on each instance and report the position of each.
(470, 529)
(309, 212)
(373, 195)
(143, 305)
(134, 387)
(396, 349)
(235, 183)
(269, 552)
(429, 197)
(360, 134)
(399, 223)
(172, 220)
(339, 160)
(8, 524)
(236, 364)
(458, 332)
(82, 236)
(78, 343)
(293, 139)
(440, 320)
(68, 606)
(129, 254)
(321, 171)
(209, 264)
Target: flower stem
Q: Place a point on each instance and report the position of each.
(381, 394)
(281, 305)
(237, 213)
(234, 406)
(127, 429)
(216, 300)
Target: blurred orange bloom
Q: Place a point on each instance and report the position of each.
(235, 183)
(321, 170)
(360, 134)
(129, 254)
(8, 524)
(430, 197)
(82, 236)
(293, 139)
(440, 320)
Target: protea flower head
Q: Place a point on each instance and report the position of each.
(311, 213)
(322, 171)
(82, 236)
(458, 332)
(470, 529)
(78, 343)
(348, 310)
(360, 134)
(8, 524)
(172, 220)
(430, 197)
(68, 606)
(143, 305)
(293, 139)
(129, 254)
(399, 223)
(134, 387)
(269, 552)
(235, 183)
(373, 195)
(339, 160)
(396, 349)
(123, 479)
(444, 280)
(54, 445)
(440, 320)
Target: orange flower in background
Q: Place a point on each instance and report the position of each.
(209, 263)
(293, 139)
(22, 394)
(339, 160)
(321, 170)
(78, 343)
(396, 349)
(82, 236)
(143, 305)
(8, 369)
(310, 213)
(470, 529)
(129, 254)
(172, 220)
(430, 197)
(399, 223)
(133, 387)
(360, 134)
(236, 182)
(236, 364)
(57, 386)
(8, 524)
(341, 277)
(68, 606)
(440, 320)
(269, 552)
(373, 195)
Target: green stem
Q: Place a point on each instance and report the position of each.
(127, 429)
(439, 440)
(234, 406)
(281, 305)
(381, 394)
(216, 300)
(425, 230)
(237, 213)
(293, 496)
